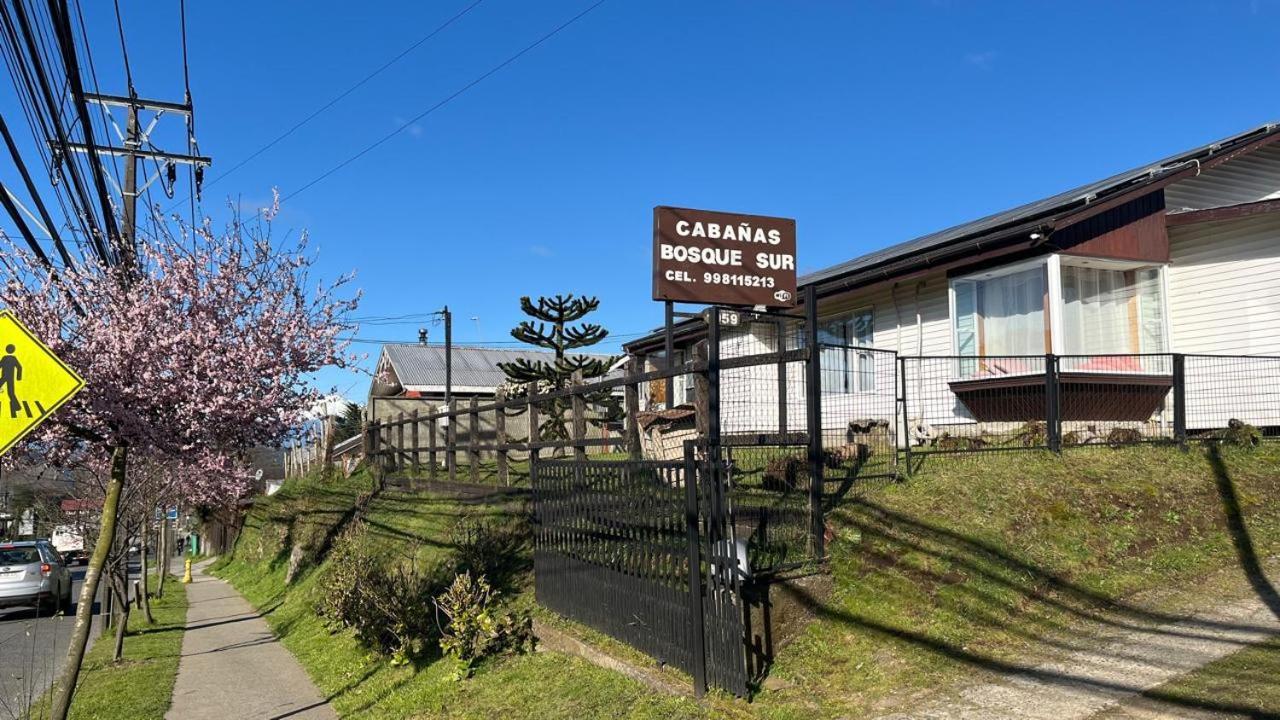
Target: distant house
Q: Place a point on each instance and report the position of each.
(415, 371)
(1181, 255)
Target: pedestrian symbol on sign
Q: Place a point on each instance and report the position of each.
(10, 374)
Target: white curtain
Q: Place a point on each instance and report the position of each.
(1098, 311)
(1013, 313)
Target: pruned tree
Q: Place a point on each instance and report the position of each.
(552, 326)
(198, 352)
(349, 423)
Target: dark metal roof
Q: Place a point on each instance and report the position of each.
(1040, 209)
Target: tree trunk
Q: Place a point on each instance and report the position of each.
(143, 596)
(162, 553)
(66, 685)
(122, 601)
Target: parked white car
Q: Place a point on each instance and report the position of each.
(32, 573)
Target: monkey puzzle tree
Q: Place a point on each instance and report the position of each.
(553, 327)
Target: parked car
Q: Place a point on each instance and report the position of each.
(32, 573)
(71, 558)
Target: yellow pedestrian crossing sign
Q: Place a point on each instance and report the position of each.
(33, 381)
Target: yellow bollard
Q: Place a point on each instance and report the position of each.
(186, 577)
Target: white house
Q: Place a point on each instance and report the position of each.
(1115, 277)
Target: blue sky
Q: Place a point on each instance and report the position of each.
(870, 123)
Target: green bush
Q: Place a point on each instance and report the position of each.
(474, 630)
(496, 551)
(387, 602)
(1238, 433)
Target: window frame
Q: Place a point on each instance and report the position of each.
(1055, 308)
(991, 274)
(852, 378)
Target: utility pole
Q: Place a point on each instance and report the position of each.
(448, 354)
(451, 458)
(137, 145)
(136, 138)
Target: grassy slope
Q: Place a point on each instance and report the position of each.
(365, 686)
(975, 563)
(140, 687)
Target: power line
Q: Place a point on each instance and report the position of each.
(124, 49)
(486, 75)
(378, 341)
(338, 98)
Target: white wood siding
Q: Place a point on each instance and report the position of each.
(1224, 299)
(895, 313)
(1248, 178)
(1224, 286)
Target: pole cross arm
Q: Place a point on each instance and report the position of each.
(153, 154)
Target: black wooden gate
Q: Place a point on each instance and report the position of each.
(643, 551)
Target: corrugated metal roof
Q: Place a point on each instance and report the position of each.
(1031, 211)
(420, 366)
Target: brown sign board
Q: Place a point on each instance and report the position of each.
(718, 258)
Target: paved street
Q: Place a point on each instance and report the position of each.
(33, 648)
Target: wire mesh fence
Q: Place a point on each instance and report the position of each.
(1232, 393)
(963, 405)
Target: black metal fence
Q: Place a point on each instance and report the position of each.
(997, 403)
(645, 552)
(658, 524)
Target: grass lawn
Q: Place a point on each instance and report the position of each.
(975, 563)
(141, 686)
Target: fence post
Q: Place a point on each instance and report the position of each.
(473, 440)
(1053, 413)
(813, 406)
(414, 438)
(697, 634)
(784, 425)
(533, 428)
(579, 404)
(631, 426)
(906, 412)
(399, 452)
(1180, 399)
(451, 440)
(375, 445)
(432, 463)
(500, 436)
(712, 375)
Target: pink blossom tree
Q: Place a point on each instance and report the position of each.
(198, 352)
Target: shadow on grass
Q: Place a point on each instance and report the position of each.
(997, 593)
(1240, 537)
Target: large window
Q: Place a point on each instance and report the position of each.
(1063, 304)
(847, 364)
(1111, 310)
(1001, 312)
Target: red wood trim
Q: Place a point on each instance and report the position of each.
(1230, 212)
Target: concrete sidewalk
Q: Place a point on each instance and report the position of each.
(233, 667)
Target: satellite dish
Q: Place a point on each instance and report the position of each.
(258, 475)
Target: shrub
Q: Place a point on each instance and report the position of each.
(493, 550)
(386, 602)
(1237, 432)
(791, 472)
(473, 631)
